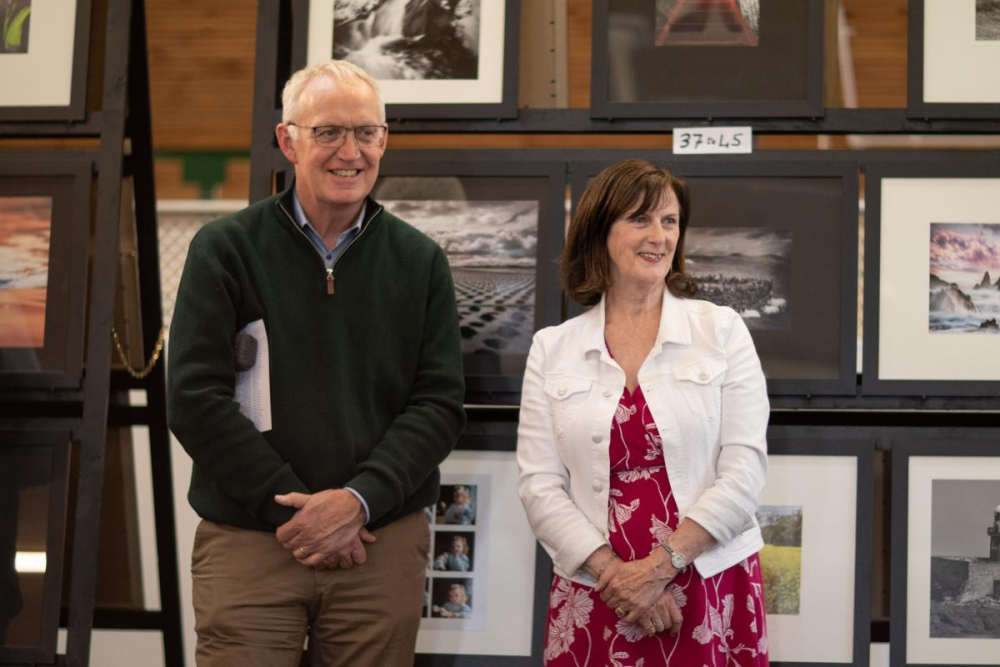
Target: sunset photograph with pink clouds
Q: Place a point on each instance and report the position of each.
(25, 232)
(964, 278)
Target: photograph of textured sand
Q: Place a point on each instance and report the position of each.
(25, 231)
(707, 22)
(409, 39)
(965, 558)
(988, 20)
(964, 278)
(747, 269)
(781, 557)
(491, 247)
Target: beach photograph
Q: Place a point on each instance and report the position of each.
(409, 39)
(745, 268)
(964, 292)
(25, 232)
(491, 248)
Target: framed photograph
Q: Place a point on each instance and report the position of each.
(932, 265)
(696, 59)
(446, 59)
(33, 491)
(487, 578)
(815, 516)
(954, 59)
(500, 222)
(946, 555)
(775, 238)
(43, 59)
(44, 226)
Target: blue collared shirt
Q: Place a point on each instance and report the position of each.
(329, 255)
(329, 258)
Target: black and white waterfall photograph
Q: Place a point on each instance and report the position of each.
(964, 278)
(745, 268)
(491, 247)
(409, 39)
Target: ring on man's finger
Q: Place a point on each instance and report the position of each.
(621, 612)
(302, 552)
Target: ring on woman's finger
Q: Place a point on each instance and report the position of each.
(621, 612)
(651, 627)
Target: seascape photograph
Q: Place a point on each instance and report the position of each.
(988, 20)
(409, 39)
(25, 231)
(964, 293)
(747, 269)
(707, 22)
(965, 558)
(491, 247)
(781, 557)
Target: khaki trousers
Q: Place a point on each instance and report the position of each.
(254, 603)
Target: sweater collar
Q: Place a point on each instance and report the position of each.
(286, 200)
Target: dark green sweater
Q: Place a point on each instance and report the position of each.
(366, 383)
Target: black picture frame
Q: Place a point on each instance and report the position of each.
(505, 108)
(503, 439)
(67, 179)
(929, 166)
(837, 271)
(916, 106)
(500, 388)
(826, 442)
(801, 24)
(76, 110)
(938, 445)
(57, 442)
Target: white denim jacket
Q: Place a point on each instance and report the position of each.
(706, 392)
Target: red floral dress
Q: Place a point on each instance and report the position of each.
(724, 620)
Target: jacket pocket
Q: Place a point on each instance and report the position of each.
(701, 385)
(566, 395)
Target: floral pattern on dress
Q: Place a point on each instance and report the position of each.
(723, 616)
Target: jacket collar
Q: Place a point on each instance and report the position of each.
(674, 324)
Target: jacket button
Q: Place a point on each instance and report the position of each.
(597, 437)
(703, 375)
(562, 391)
(607, 393)
(597, 488)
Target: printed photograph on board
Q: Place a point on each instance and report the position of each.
(15, 23)
(965, 558)
(454, 552)
(451, 598)
(409, 39)
(988, 20)
(457, 505)
(25, 233)
(491, 247)
(707, 22)
(747, 269)
(964, 278)
(781, 557)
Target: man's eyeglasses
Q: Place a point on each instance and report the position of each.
(333, 136)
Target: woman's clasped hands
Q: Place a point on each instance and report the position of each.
(637, 591)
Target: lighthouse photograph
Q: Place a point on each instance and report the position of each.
(965, 558)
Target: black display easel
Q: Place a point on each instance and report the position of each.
(123, 127)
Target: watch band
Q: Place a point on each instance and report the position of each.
(676, 559)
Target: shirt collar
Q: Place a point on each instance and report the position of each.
(302, 221)
(674, 324)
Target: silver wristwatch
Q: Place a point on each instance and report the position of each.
(678, 560)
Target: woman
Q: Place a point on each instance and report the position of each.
(456, 560)
(641, 445)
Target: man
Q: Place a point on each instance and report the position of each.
(350, 315)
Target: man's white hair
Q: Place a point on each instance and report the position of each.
(339, 70)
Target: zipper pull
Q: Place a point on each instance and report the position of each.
(329, 281)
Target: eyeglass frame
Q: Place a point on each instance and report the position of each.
(347, 130)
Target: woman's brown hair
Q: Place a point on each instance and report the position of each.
(583, 267)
